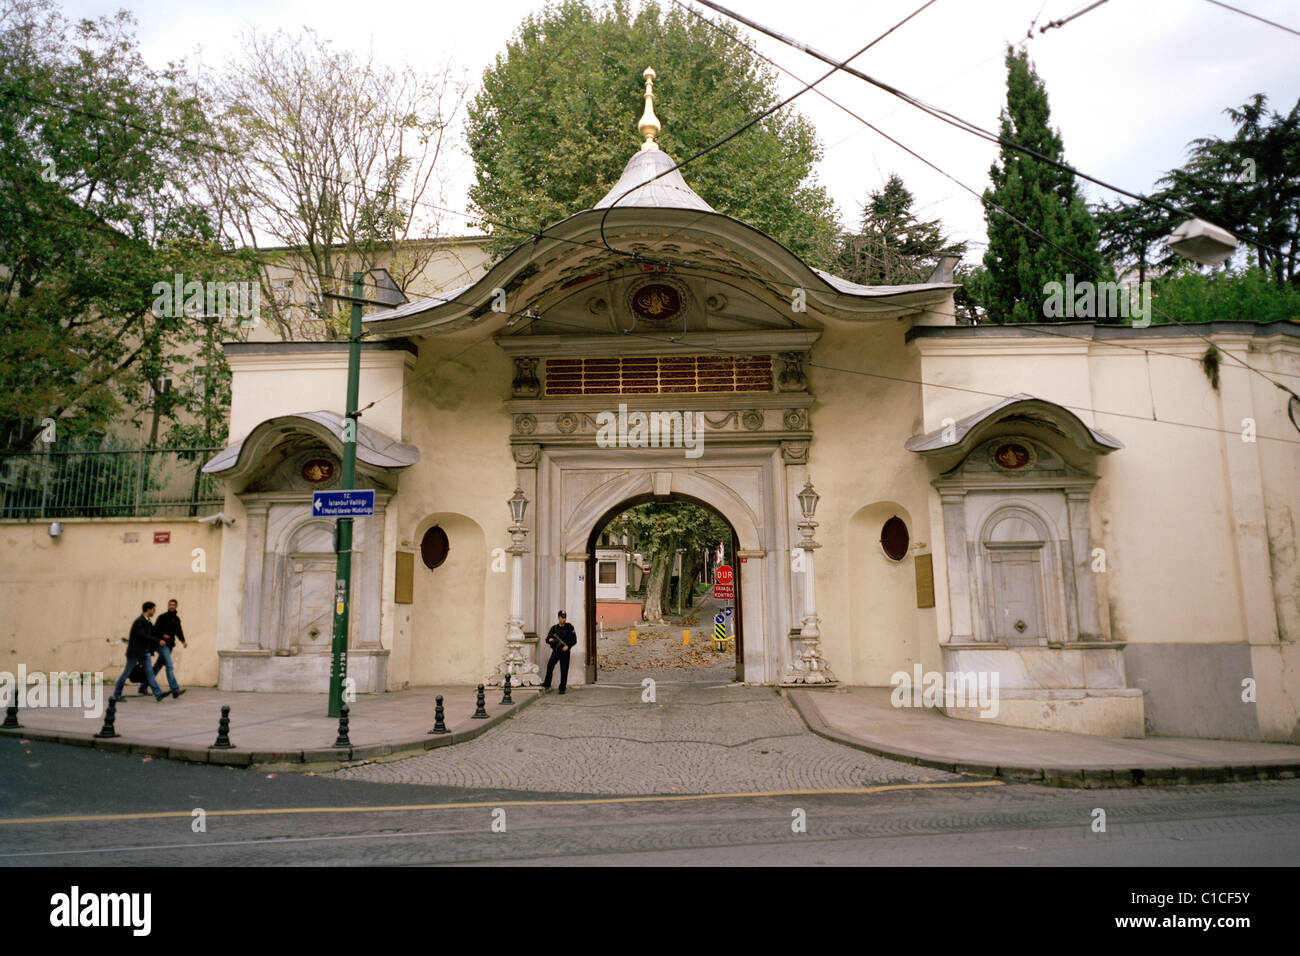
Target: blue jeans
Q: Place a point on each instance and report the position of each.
(165, 653)
(148, 672)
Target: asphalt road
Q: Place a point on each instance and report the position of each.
(254, 819)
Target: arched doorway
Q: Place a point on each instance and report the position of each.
(591, 665)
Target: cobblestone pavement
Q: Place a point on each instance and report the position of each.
(695, 738)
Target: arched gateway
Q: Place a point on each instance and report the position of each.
(589, 601)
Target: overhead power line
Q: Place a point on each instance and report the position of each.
(836, 66)
(988, 202)
(1253, 16)
(953, 120)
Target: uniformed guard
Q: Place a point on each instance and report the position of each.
(561, 637)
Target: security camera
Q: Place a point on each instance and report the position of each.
(219, 516)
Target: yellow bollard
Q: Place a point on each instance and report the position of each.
(631, 637)
(686, 637)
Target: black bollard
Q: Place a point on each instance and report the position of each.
(11, 712)
(506, 699)
(480, 713)
(438, 726)
(110, 716)
(342, 740)
(223, 731)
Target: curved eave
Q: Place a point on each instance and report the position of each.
(376, 452)
(581, 235)
(970, 431)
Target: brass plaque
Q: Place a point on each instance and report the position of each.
(924, 580)
(404, 579)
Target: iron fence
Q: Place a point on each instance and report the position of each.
(108, 483)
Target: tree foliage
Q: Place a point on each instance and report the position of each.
(1244, 295)
(892, 245)
(554, 124)
(334, 161)
(1043, 197)
(1246, 183)
(661, 529)
(97, 204)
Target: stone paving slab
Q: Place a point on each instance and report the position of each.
(695, 738)
(863, 717)
(271, 728)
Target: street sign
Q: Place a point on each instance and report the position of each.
(343, 504)
(728, 612)
(723, 575)
(719, 619)
(724, 592)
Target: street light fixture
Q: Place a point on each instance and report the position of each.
(808, 499)
(518, 505)
(1202, 242)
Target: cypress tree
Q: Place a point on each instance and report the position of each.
(1019, 263)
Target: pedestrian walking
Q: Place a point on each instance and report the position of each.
(170, 631)
(561, 637)
(139, 648)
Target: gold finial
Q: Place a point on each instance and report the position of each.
(649, 123)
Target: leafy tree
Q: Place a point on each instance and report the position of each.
(335, 163)
(892, 246)
(96, 206)
(661, 530)
(553, 125)
(1131, 236)
(1248, 185)
(1020, 264)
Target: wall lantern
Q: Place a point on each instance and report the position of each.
(518, 505)
(808, 499)
(56, 528)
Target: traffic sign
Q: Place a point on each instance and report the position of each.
(728, 612)
(724, 592)
(723, 574)
(343, 504)
(719, 619)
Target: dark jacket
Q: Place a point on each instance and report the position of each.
(169, 626)
(143, 640)
(562, 632)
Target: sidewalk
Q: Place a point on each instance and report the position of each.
(279, 729)
(863, 717)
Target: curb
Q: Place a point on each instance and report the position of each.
(1085, 778)
(288, 760)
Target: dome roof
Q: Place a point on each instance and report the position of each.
(667, 192)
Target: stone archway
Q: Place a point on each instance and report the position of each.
(577, 488)
(589, 599)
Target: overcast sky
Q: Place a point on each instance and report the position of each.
(1130, 83)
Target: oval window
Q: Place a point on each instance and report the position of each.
(894, 538)
(434, 547)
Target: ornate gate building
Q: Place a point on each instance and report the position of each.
(991, 499)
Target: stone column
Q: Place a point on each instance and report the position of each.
(523, 673)
(1085, 586)
(254, 558)
(809, 667)
(955, 553)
